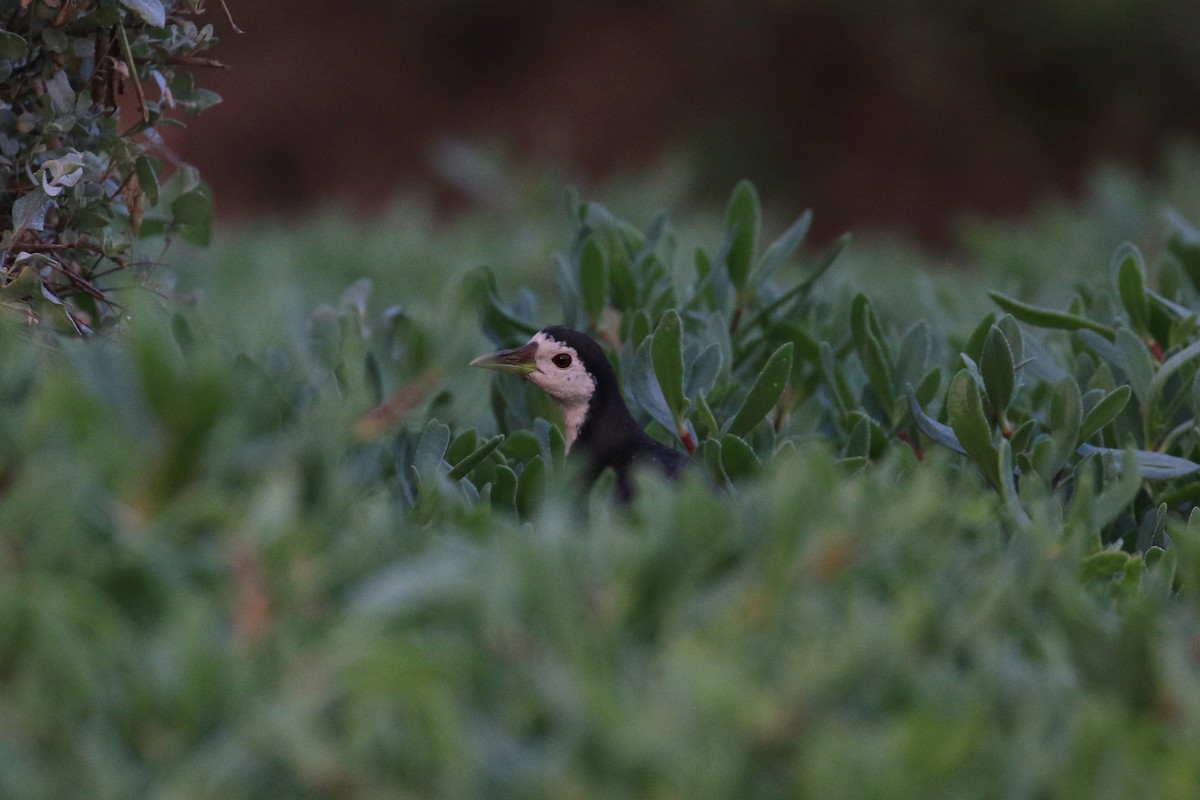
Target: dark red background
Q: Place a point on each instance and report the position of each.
(883, 113)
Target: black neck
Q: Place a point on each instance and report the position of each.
(609, 429)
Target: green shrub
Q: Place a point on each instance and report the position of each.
(223, 575)
(80, 183)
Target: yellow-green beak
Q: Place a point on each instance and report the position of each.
(519, 360)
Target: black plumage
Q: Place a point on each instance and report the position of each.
(608, 436)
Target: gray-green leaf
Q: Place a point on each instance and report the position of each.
(475, 458)
(667, 353)
(765, 392)
(593, 278)
(152, 12)
(1104, 412)
(737, 457)
(997, 368)
(964, 406)
(742, 221)
(531, 487)
(1049, 318)
(872, 351)
(1131, 285)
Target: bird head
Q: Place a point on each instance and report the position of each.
(558, 360)
(572, 368)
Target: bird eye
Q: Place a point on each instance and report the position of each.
(562, 360)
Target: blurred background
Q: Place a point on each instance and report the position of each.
(900, 114)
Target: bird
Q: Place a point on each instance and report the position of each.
(571, 368)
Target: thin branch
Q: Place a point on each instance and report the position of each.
(185, 61)
(48, 247)
(137, 83)
(229, 17)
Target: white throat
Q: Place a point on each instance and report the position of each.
(573, 417)
(560, 373)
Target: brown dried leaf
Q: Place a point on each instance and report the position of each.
(252, 616)
(379, 419)
(135, 202)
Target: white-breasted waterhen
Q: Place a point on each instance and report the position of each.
(571, 368)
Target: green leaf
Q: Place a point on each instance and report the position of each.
(765, 392)
(62, 96)
(1012, 332)
(915, 349)
(462, 445)
(531, 487)
(782, 249)
(1049, 318)
(1150, 465)
(1161, 566)
(997, 368)
(1008, 484)
(191, 215)
(703, 372)
(940, 433)
(12, 46)
(618, 244)
(1170, 367)
(1131, 286)
(1184, 244)
(840, 391)
(504, 488)
(797, 292)
(152, 12)
(807, 348)
(147, 178)
(181, 331)
(1106, 564)
(431, 446)
(521, 445)
(645, 387)
(372, 378)
(711, 452)
(861, 441)
(872, 352)
(827, 261)
(1066, 410)
(704, 419)
(1104, 412)
(928, 387)
(858, 443)
(556, 444)
(713, 287)
(738, 458)
(1137, 363)
(667, 354)
(964, 407)
(29, 210)
(475, 458)
(974, 347)
(197, 100)
(639, 327)
(742, 220)
(593, 279)
(1023, 435)
(500, 323)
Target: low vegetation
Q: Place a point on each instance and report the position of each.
(936, 544)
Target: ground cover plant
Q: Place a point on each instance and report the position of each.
(246, 552)
(80, 182)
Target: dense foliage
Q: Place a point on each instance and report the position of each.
(80, 181)
(256, 555)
